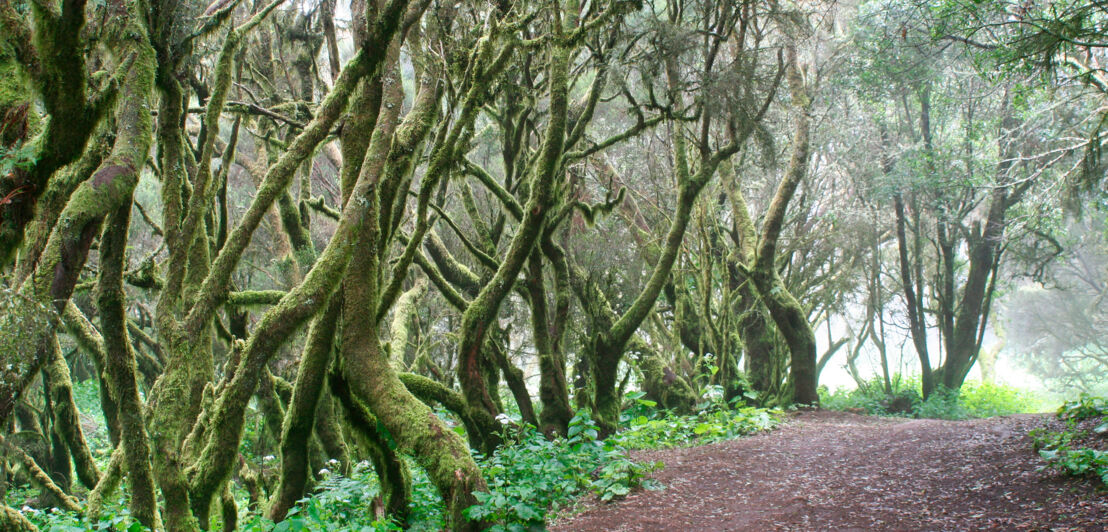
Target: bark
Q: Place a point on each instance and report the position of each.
(915, 316)
(965, 343)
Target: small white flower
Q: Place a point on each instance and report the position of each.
(324, 472)
(333, 462)
(503, 418)
(269, 458)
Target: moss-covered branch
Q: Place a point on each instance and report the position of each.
(300, 415)
(279, 175)
(255, 297)
(67, 421)
(56, 64)
(40, 478)
(392, 470)
(121, 368)
(301, 303)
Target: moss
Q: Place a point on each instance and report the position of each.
(299, 236)
(661, 384)
(120, 366)
(553, 392)
(67, 247)
(41, 479)
(431, 392)
(110, 480)
(255, 297)
(67, 420)
(330, 433)
(14, 521)
(403, 313)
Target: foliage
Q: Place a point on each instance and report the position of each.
(345, 504)
(18, 157)
(1072, 450)
(529, 477)
(1085, 407)
(1078, 462)
(114, 517)
(973, 400)
(715, 421)
(533, 475)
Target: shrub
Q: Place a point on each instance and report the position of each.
(973, 400)
(705, 427)
(1073, 450)
(533, 475)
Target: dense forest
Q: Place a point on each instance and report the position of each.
(250, 247)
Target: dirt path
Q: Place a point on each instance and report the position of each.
(836, 471)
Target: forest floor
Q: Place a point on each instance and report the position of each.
(828, 470)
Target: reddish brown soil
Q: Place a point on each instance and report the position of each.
(836, 471)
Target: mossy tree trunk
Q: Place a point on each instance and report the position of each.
(761, 261)
(120, 366)
(299, 417)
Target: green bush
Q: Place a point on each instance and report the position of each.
(115, 518)
(343, 504)
(982, 399)
(705, 427)
(973, 400)
(1078, 462)
(533, 475)
(1085, 407)
(942, 404)
(1066, 450)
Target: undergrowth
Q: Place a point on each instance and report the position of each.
(529, 478)
(647, 428)
(973, 400)
(1080, 449)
